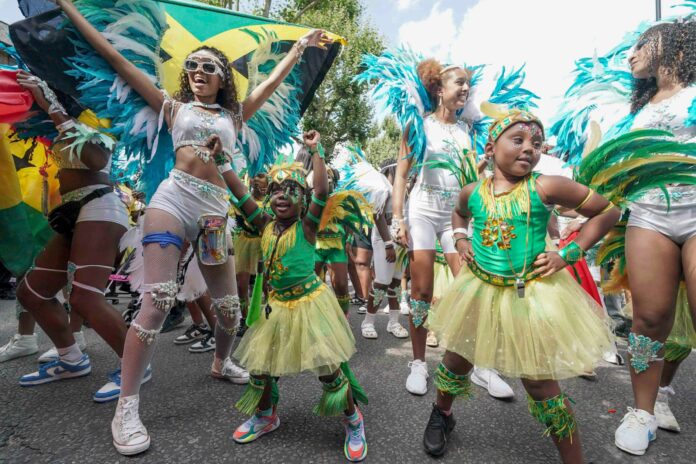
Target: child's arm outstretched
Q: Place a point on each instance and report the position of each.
(320, 182)
(602, 216)
(460, 225)
(127, 70)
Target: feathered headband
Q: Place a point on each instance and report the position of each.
(504, 117)
(293, 171)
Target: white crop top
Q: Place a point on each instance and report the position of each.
(193, 126)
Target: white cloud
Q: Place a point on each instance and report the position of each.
(402, 5)
(547, 35)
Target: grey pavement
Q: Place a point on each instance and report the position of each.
(191, 416)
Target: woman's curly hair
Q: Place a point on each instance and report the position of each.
(674, 50)
(227, 95)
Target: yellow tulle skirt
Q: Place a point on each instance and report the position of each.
(247, 253)
(556, 331)
(309, 334)
(443, 278)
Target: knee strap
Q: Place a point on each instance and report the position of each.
(643, 351)
(164, 239)
(453, 384)
(146, 336)
(419, 311)
(392, 293)
(555, 415)
(377, 295)
(163, 294)
(72, 269)
(344, 303)
(29, 287)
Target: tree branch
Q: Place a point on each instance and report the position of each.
(308, 7)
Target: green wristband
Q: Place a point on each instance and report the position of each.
(253, 215)
(243, 200)
(319, 202)
(572, 253)
(319, 149)
(313, 218)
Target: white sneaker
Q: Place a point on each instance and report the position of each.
(52, 354)
(431, 340)
(613, 357)
(417, 381)
(638, 428)
(129, 434)
(232, 372)
(368, 330)
(385, 310)
(491, 381)
(397, 330)
(404, 308)
(362, 309)
(663, 413)
(19, 346)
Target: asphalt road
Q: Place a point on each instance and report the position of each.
(191, 417)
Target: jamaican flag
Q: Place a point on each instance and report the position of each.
(28, 189)
(44, 45)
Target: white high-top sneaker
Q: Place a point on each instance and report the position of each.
(129, 434)
(19, 346)
(638, 428)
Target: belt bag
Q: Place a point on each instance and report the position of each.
(63, 218)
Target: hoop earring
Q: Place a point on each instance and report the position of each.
(439, 100)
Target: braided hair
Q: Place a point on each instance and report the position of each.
(672, 49)
(227, 95)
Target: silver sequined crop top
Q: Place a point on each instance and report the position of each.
(193, 126)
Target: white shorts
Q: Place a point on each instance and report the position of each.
(429, 219)
(187, 198)
(384, 272)
(678, 222)
(107, 208)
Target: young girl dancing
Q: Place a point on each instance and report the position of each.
(514, 312)
(303, 328)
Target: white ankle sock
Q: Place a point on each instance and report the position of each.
(369, 318)
(394, 315)
(71, 354)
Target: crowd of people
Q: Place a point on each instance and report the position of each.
(465, 249)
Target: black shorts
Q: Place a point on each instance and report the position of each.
(364, 243)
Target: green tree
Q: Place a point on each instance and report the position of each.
(385, 144)
(340, 109)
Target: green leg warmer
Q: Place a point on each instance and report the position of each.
(249, 401)
(452, 384)
(555, 415)
(334, 399)
(344, 303)
(675, 352)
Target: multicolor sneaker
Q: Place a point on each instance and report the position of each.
(57, 370)
(355, 444)
(255, 427)
(112, 389)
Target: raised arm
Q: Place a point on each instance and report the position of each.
(320, 183)
(127, 70)
(93, 154)
(258, 96)
(403, 167)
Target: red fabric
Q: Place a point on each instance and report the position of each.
(15, 102)
(580, 269)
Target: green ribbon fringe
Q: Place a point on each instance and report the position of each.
(452, 384)
(359, 395)
(675, 352)
(249, 401)
(334, 399)
(555, 415)
(254, 312)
